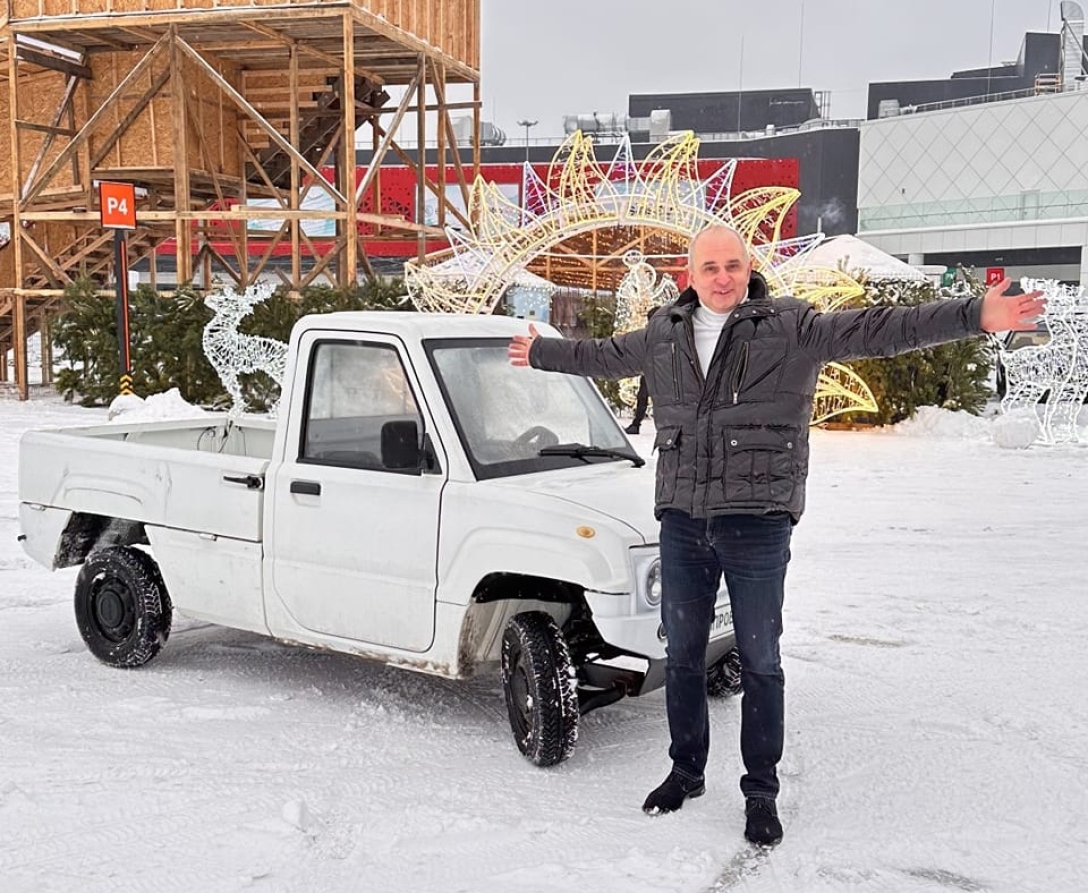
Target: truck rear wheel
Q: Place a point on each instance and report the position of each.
(122, 608)
(539, 685)
(723, 678)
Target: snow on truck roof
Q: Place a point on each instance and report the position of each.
(412, 326)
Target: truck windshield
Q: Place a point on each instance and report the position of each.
(507, 415)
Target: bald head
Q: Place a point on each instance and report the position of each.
(719, 268)
(718, 230)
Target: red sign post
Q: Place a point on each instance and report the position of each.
(117, 210)
(994, 275)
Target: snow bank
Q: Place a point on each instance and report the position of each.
(156, 408)
(1017, 430)
(932, 421)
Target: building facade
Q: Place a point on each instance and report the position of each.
(1001, 186)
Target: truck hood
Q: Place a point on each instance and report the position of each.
(616, 490)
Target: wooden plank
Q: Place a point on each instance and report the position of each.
(245, 106)
(349, 269)
(293, 198)
(182, 231)
(55, 63)
(16, 224)
(124, 123)
(87, 129)
(376, 160)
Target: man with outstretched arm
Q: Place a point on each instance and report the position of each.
(732, 374)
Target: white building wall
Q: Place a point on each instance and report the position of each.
(990, 177)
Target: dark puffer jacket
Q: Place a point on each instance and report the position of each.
(736, 441)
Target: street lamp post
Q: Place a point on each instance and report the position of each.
(527, 124)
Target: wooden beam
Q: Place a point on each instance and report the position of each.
(87, 129)
(438, 85)
(45, 128)
(437, 107)
(246, 107)
(55, 63)
(209, 162)
(285, 41)
(376, 160)
(256, 162)
(234, 274)
(294, 198)
(16, 224)
(476, 131)
(349, 273)
(18, 340)
(156, 85)
(186, 17)
(182, 232)
(58, 116)
(421, 170)
(445, 124)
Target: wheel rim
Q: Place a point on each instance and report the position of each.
(114, 611)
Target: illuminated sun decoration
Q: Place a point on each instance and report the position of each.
(663, 192)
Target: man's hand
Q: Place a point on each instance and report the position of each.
(1005, 313)
(518, 351)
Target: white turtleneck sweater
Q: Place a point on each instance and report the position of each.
(708, 328)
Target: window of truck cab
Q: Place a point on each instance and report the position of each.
(353, 390)
(495, 405)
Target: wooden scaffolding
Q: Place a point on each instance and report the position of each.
(226, 116)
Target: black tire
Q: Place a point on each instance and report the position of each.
(723, 677)
(539, 685)
(122, 608)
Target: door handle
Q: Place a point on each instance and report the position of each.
(306, 488)
(251, 481)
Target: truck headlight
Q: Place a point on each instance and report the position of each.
(653, 584)
(646, 565)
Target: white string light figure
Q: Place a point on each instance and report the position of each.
(638, 293)
(233, 353)
(1058, 368)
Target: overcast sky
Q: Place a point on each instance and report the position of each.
(545, 59)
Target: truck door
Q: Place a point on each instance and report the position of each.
(354, 535)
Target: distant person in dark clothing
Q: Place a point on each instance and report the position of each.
(642, 401)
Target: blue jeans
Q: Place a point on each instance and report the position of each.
(752, 551)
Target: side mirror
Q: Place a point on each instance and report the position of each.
(400, 446)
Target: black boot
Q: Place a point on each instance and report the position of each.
(632, 428)
(670, 795)
(762, 826)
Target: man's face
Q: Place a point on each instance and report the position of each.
(719, 271)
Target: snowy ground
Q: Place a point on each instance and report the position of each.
(937, 722)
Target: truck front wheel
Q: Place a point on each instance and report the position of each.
(723, 678)
(539, 684)
(122, 608)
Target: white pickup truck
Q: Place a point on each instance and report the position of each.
(418, 501)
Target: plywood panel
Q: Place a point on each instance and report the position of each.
(451, 25)
(148, 139)
(40, 95)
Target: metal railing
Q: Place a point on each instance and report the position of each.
(1043, 87)
(713, 137)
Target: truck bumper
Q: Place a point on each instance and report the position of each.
(636, 629)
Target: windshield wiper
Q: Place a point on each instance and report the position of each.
(581, 451)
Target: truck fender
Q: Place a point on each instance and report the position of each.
(600, 563)
(58, 538)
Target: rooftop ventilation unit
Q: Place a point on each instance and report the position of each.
(1072, 62)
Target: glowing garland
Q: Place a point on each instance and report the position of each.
(233, 353)
(664, 192)
(1058, 368)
